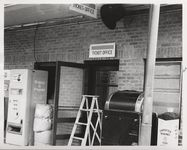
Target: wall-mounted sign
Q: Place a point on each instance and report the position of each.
(102, 50)
(84, 9)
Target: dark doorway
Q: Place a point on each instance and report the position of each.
(101, 78)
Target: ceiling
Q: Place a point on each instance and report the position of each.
(28, 14)
(33, 13)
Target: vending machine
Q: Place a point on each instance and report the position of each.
(27, 88)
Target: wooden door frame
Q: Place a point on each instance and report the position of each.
(57, 65)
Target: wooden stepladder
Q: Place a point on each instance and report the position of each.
(89, 120)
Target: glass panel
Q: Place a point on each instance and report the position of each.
(71, 86)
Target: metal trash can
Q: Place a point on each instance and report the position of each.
(122, 119)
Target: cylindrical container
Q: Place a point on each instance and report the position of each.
(43, 111)
(41, 124)
(43, 138)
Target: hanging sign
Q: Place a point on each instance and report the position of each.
(102, 50)
(84, 9)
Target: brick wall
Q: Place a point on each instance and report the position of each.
(70, 42)
(131, 74)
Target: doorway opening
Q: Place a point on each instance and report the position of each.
(101, 78)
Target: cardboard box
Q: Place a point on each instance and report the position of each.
(168, 132)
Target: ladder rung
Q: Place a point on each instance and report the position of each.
(94, 110)
(95, 96)
(85, 109)
(77, 138)
(80, 123)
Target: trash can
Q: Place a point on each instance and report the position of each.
(122, 119)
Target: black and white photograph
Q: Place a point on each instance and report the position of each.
(93, 74)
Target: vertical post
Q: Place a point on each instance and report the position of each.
(1, 77)
(145, 129)
(1, 101)
(56, 100)
(184, 85)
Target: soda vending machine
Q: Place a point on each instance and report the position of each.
(27, 88)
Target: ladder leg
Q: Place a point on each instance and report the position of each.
(77, 119)
(89, 120)
(100, 120)
(93, 108)
(87, 106)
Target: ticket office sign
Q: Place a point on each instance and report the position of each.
(102, 50)
(84, 9)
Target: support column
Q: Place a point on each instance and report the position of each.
(145, 129)
(1, 77)
(184, 85)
